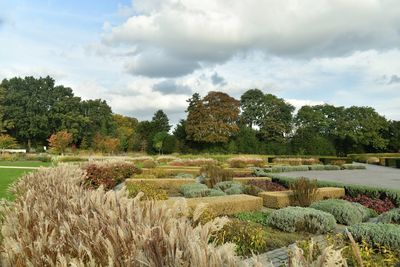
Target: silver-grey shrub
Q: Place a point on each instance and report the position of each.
(345, 212)
(377, 233)
(392, 216)
(298, 219)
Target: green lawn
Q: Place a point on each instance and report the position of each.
(7, 177)
(25, 163)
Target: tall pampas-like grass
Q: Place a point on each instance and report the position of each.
(56, 222)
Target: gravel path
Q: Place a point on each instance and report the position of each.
(373, 176)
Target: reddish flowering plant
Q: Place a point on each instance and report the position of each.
(108, 175)
(267, 185)
(379, 205)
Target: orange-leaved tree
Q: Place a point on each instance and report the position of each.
(60, 141)
(212, 119)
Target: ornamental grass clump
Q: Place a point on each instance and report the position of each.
(214, 174)
(54, 221)
(304, 191)
(298, 219)
(345, 212)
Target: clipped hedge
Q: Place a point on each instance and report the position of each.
(353, 167)
(392, 216)
(351, 189)
(377, 233)
(345, 212)
(298, 219)
(222, 205)
(320, 167)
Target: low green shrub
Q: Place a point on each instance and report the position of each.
(353, 167)
(289, 168)
(149, 190)
(195, 190)
(229, 187)
(247, 236)
(252, 190)
(216, 193)
(345, 212)
(255, 216)
(184, 176)
(377, 233)
(149, 164)
(392, 216)
(293, 219)
(262, 172)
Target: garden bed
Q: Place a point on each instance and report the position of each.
(281, 199)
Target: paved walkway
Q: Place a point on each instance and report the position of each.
(373, 176)
(20, 167)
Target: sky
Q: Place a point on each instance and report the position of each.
(146, 55)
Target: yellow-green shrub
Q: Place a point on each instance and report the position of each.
(149, 190)
(248, 237)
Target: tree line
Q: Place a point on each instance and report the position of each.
(35, 111)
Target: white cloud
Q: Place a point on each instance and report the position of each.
(188, 32)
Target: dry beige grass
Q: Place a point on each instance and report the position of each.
(56, 222)
(281, 199)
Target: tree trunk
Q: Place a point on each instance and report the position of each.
(29, 145)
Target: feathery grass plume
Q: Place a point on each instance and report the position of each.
(56, 222)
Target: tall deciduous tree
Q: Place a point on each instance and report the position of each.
(272, 115)
(125, 131)
(213, 119)
(252, 103)
(394, 136)
(27, 106)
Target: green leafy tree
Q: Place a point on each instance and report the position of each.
(394, 136)
(365, 128)
(27, 107)
(252, 103)
(100, 118)
(272, 115)
(158, 141)
(213, 119)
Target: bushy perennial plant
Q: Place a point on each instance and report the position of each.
(345, 212)
(295, 219)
